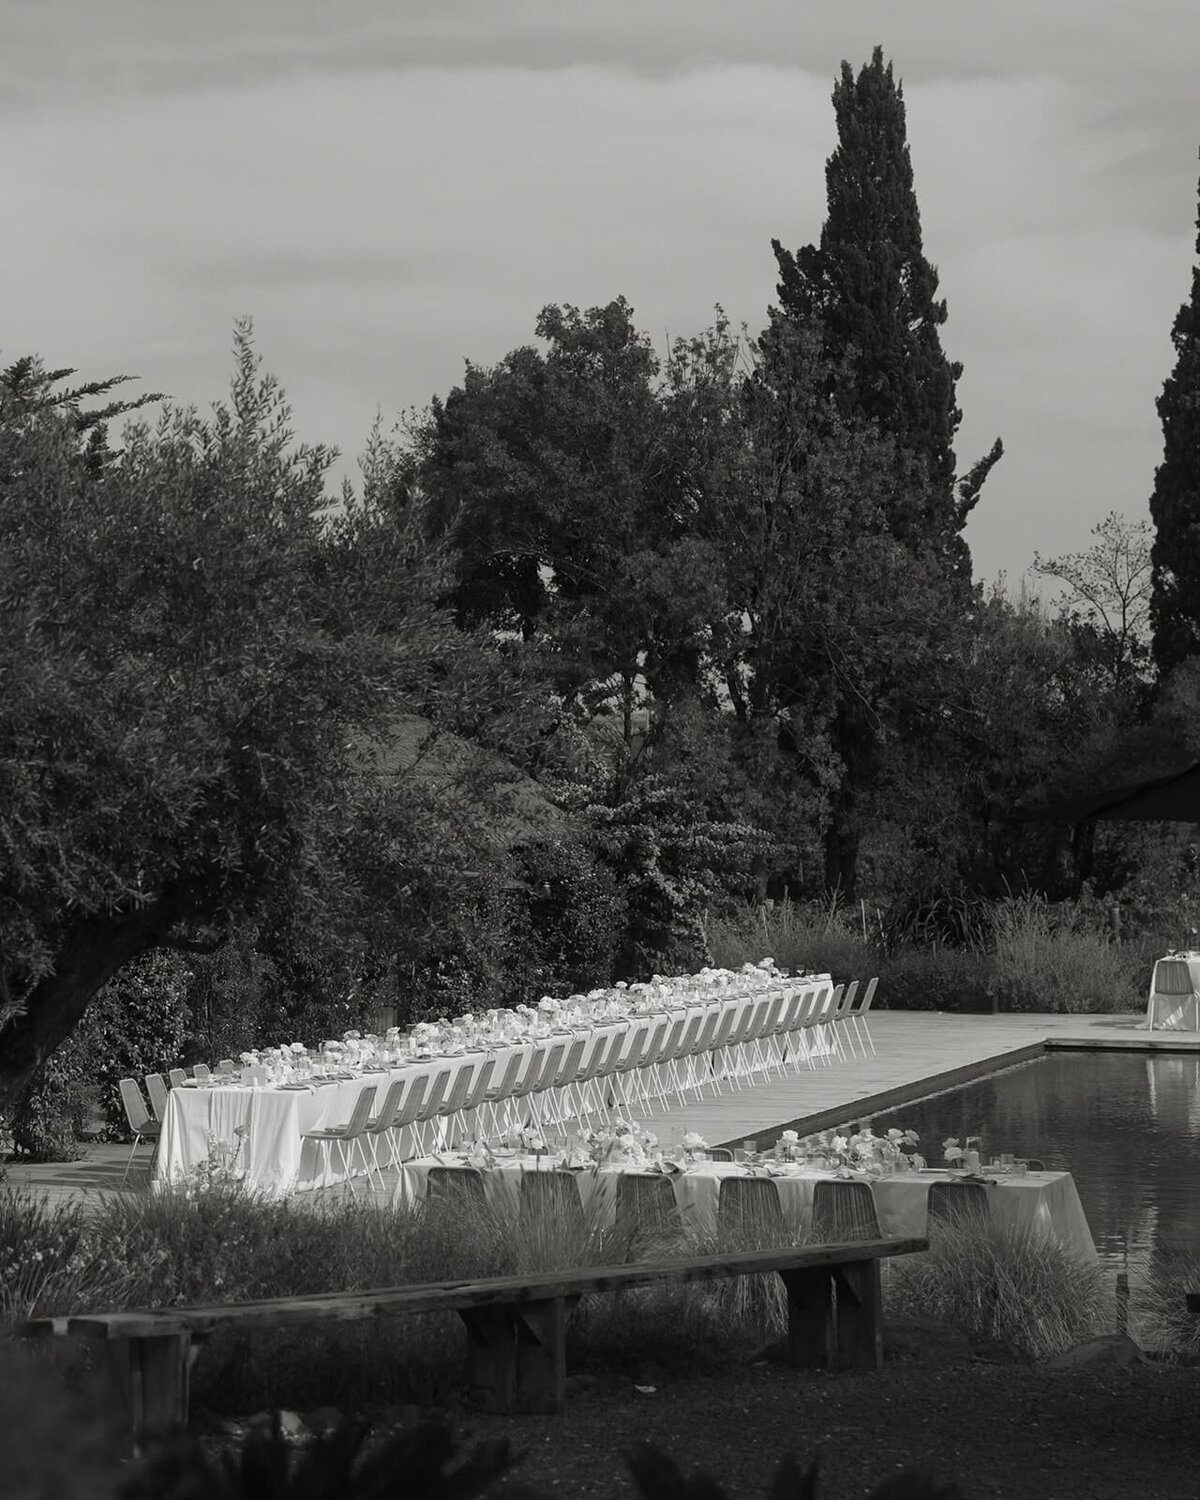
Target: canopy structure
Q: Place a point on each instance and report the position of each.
(1174, 798)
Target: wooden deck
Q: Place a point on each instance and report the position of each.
(917, 1053)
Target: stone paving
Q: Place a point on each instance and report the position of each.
(917, 1053)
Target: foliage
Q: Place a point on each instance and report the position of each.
(564, 922)
(418, 1462)
(1175, 503)
(194, 653)
(658, 1477)
(1049, 959)
(871, 288)
(1003, 1282)
(1108, 589)
(1159, 1316)
(945, 979)
(813, 937)
(938, 918)
(136, 1025)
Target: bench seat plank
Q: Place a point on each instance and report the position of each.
(502, 1291)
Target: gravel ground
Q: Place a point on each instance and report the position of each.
(999, 1430)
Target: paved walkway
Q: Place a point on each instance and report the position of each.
(917, 1053)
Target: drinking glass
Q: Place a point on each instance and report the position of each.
(1020, 1168)
(750, 1148)
(1007, 1160)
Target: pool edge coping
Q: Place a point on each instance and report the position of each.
(949, 1078)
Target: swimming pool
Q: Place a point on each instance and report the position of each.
(1125, 1124)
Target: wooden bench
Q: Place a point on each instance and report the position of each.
(515, 1324)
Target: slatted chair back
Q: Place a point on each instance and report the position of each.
(844, 1211)
(646, 1208)
(136, 1113)
(176, 1077)
(720, 1153)
(454, 1188)
(226, 1066)
(958, 1203)
(749, 1207)
(202, 1072)
(156, 1087)
(553, 1195)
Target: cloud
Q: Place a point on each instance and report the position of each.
(384, 219)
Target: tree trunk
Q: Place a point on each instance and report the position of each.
(91, 953)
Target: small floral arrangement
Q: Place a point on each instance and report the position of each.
(693, 1144)
(789, 1147)
(527, 1138)
(549, 1006)
(220, 1168)
(624, 1142)
(864, 1151)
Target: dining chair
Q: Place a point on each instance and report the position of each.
(382, 1124)
(961, 1203)
(749, 1207)
(699, 1061)
(646, 1210)
(631, 1072)
(404, 1119)
(727, 1018)
(677, 1062)
(547, 1071)
(156, 1087)
(431, 1107)
(819, 1025)
(451, 1107)
(844, 1211)
(139, 1119)
(558, 1091)
(343, 1136)
(580, 1101)
(226, 1066)
(481, 1081)
(549, 1197)
(455, 1188)
(493, 1097)
(202, 1072)
(720, 1153)
(856, 1015)
(177, 1078)
(597, 1092)
(666, 1044)
(1034, 1164)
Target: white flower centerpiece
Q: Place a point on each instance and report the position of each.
(624, 1143)
(694, 1145)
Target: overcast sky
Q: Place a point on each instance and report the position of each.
(389, 187)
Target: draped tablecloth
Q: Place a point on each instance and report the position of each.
(1046, 1202)
(274, 1156)
(1174, 1003)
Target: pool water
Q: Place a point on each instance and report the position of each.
(1126, 1125)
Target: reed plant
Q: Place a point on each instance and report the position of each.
(1054, 959)
(821, 937)
(1002, 1282)
(1159, 1318)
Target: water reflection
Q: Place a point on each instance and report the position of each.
(1126, 1124)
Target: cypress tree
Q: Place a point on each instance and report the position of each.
(1175, 503)
(871, 288)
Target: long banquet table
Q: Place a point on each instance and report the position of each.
(275, 1158)
(1047, 1202)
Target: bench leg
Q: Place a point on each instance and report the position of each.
(518, 1356)
(154, 1373)
(859, 1315)
(810, 1316)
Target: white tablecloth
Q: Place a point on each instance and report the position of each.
(1174, 1003)
(276, 1159)
(1044, 1201)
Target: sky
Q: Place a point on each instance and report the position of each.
(392, 187)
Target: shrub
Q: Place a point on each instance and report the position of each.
(1002, 1282)
(825, 939)
(936, 979)
(1158, 1313)
(135, 1025)
(1049, 959)
(564, 923)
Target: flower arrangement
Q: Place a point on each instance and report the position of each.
(693, 1144)
(527, 1137)
(220, 1168)
(624, 1143)
(789, 1147)
(863, 1151)
(549, 1006)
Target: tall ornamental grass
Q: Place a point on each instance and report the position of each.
(1049, 959)
(224, 1247)
(1002, 1282)
(824, 938)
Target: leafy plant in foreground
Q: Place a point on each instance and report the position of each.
(659, 1477)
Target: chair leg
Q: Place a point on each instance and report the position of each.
(137, 1140)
